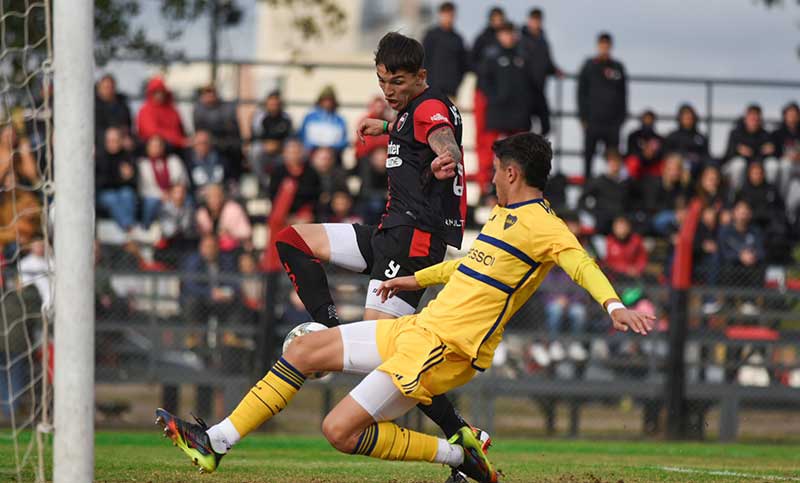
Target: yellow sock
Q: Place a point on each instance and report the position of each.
(389, 441)
(267, 398)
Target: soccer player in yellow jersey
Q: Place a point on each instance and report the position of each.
(410, 359)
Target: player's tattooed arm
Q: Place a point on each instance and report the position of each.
(448, 153)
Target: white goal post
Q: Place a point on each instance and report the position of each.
(73, 449)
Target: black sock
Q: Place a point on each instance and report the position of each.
(310, 281)
(442, 412)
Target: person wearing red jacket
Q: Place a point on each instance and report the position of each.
(626, 256)
(158, 116)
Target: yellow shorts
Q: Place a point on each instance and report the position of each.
(420, 364)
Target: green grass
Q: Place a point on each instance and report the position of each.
(145, 457)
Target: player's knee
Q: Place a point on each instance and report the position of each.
(339, 434)
(300, 354)
(290, 236)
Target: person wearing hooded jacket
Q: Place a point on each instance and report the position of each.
(748, 142)
(687, 141)
(158, 116)
(323, 126)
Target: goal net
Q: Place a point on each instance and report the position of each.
(25, 245)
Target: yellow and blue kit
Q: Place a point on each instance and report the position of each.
(439, 349)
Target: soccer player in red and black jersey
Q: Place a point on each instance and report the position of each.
(424, 214)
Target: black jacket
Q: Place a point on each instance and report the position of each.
(605, 196)
(487, 38)
(309, 186)
(765, 202)
(690, 143)
(446, 59)
(106, 170)
(537, 52)
(110, 114)
(637, 138)
(508, 90)
(753, 140)
(602, 92)
(786, 139)
(658, 197)
(275, 128)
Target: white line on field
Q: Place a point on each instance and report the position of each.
(676, 469)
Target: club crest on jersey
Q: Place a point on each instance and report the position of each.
(510, 220)
(402, 121)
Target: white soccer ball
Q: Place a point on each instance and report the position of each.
(303, 329)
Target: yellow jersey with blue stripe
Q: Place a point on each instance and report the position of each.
(513, 253)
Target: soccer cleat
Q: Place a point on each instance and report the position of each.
(476, 465)
(486, 442)
(191, 439)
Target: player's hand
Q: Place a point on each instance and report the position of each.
(639, 322)
(444, 166)
(370, 127)
(389, 288)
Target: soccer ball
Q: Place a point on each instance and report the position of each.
(303, 329)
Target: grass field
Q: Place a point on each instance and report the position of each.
(145, 457)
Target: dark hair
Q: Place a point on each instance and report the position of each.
(275, 93)
(496, 10)
(398, 52)
(531, 152)
(536, 13)
(753, 108)
(787, 107)
(447, 7)
(649, 112)
(687, 107)
(506, 27)
(605, 37)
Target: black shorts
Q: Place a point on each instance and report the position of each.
(397, 252)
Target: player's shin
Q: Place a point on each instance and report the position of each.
(308, 277)
(264, 400)
(442, 412)
(388, 441)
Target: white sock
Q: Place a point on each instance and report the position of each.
(449, 454)
(223, 436)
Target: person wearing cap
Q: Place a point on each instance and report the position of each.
(602, 100)
(323, 126)
(446, 57)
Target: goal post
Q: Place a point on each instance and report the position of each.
(73, 52)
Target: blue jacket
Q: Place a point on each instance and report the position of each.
(321, 128)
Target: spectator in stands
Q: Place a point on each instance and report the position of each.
(641, 136)
(664, 195)
(220, 120)
(176, 220)
(158, 116)
(607, 195)
(484, 138)
(687, 141)
(373, 190)
(626, 256)
(35, 268)
(110, 110)
(203, 292)
(705, 258)
(271, 126)
(332, 177)
(21, 303)
(224, 218)
(446, 57)
(115, 180)
(541, 64)
(341, 209)
(206, 166)
(748, 142)
(711, 191)
(566, 304)
(787, 150)
(646, 160)
(323, 126)
(295, 169)
(507, 86)
(769, 213)
(251, 288)
(376, 109)
(18, 166)
(602, 100)
(159, 174)
(741, 246)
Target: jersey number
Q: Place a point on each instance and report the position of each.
(391, 272)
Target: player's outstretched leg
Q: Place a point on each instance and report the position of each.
(475, 464)
(318, 351)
